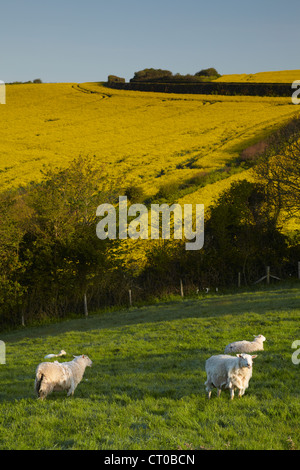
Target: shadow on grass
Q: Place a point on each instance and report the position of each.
(173, 375)
(137, 372)
(177, 375)
(216, 306)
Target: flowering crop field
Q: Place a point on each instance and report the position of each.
(283, 76)
(146, 139)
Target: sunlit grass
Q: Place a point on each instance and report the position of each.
(145, 389)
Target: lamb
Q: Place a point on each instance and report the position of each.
(246, 346)
(61, 353)
(55, 376)
(228, 372)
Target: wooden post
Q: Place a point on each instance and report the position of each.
(298, 269)
(86, 313)
(181, 289)
(130, 299)
(239, 280)
(268, 274)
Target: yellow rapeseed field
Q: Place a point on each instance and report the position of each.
(142, 138)
(283, 76)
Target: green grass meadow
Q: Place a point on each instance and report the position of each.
(146, 390)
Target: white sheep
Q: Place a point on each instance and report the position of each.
(228, 372)
(55, 376)
(246, 346)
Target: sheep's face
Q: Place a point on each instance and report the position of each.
(246, 360)
(261, 338)
(86, 360)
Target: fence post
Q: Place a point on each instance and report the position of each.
(130, 299)
(239, 280)
(298, 269)
(181, 289)
(23, 317)
(268, 274)
(86, 313)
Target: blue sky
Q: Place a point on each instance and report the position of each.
(78, 41)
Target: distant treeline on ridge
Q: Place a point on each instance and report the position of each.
(203, 82)
(160, 75)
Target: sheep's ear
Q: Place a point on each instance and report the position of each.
(253, 357)
(239, 355)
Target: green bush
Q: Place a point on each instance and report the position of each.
(168, 190)
(115, 79)
(210, 72)
(151, 74)
(135, 193)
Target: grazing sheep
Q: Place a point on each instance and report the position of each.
(246, 346)
(61, 353)
(228, 372)
(55, 376)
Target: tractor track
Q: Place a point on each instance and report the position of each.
(80, 88)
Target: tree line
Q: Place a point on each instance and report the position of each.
(51, 259)
(153, 75)
(161, 75)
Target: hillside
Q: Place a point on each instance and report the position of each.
(152, 147)
(145, 389)
(146, 139)
(283, 76)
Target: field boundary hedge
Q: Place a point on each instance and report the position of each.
(209, 88)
